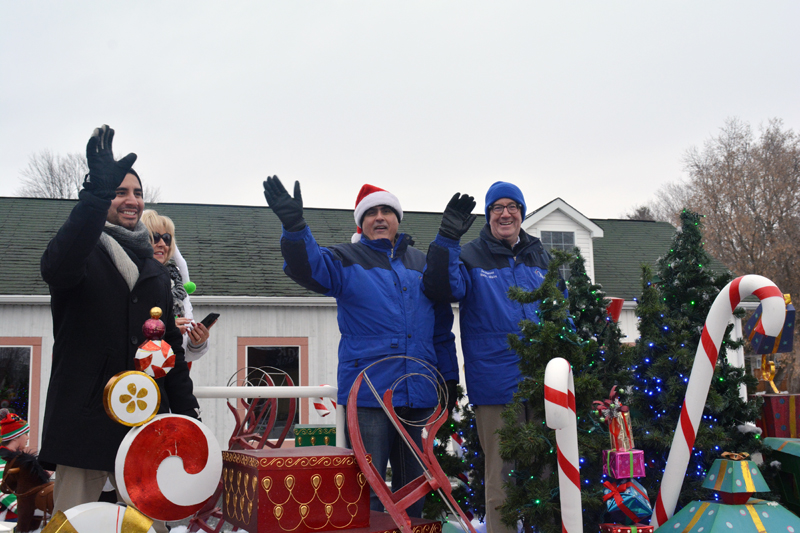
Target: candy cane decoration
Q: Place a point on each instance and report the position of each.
(169, 467)
(319, 405)
(705, 360)
(559, 411)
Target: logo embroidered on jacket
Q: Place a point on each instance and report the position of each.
(491, 274)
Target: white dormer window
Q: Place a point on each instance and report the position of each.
(559, 240)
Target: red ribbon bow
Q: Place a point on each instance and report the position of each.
(611, 407)
(616, 494)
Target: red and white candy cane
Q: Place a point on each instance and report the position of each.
(705, 360)
(319, 405)
(559, 411)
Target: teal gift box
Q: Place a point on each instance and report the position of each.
(626, 503)
(787, 453)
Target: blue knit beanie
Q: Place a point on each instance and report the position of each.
(502, 189)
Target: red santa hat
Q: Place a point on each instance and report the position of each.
(12, 426)
(371, 196)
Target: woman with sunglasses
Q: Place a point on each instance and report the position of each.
(165, 251)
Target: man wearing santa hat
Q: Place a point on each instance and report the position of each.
(382, 312)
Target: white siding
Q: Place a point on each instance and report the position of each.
(558, 221)
(316, 322)
(629, 324)
(31, 320)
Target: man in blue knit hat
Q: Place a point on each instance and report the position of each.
(478, 276)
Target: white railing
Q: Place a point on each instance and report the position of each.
(323, 391)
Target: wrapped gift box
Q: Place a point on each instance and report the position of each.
(780, 415)
(763, 344)
(294, 489)
(619, 528)
(621, 432)
(626, 503)
(314, 435)
(757, 516)
(787, 453)
(623, 465)
(735, 480)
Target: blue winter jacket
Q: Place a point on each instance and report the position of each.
(382, 312)
(479, 276)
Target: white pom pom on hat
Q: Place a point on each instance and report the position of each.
(371, 196)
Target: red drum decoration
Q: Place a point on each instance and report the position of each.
(614, 309)
(169, 467)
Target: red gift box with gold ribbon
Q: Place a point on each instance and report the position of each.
(306, 489)
(619, 528)
(780, 415)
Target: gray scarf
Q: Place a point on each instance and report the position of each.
(137, 240)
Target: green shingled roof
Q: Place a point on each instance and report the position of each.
(235, 250)
(627, 244)
(231, 250)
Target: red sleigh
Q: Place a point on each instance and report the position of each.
(255, 418)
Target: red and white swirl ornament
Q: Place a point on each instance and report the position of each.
(559, 411)
(705, 360)
(169, 467)
(322, 409)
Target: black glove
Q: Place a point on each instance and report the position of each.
(288, 209)
(452, 395)
(457, 217)
(105, 174)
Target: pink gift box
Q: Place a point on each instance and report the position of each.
(623, 465)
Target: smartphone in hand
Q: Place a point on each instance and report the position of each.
(209, 320)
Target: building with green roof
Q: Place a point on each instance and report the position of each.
(233, 253)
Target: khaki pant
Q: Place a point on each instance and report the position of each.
(76, 486)
(489, 421)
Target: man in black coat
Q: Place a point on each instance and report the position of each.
(103, 282)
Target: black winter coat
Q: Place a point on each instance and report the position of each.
(97, 325)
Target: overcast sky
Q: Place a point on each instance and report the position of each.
(591, 101)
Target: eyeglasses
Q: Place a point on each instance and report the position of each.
(497, 209)
(166, 236)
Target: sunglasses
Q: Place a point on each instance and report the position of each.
(166, 237)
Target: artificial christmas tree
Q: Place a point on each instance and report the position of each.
(459, 465)
(672, 311)
(580, 331)
(532, 491)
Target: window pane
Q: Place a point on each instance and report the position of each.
(15, 371)
(558, 240)
(565, 272)
(277, 362)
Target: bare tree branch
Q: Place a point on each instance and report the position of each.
(51, 175)
(749, 190)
